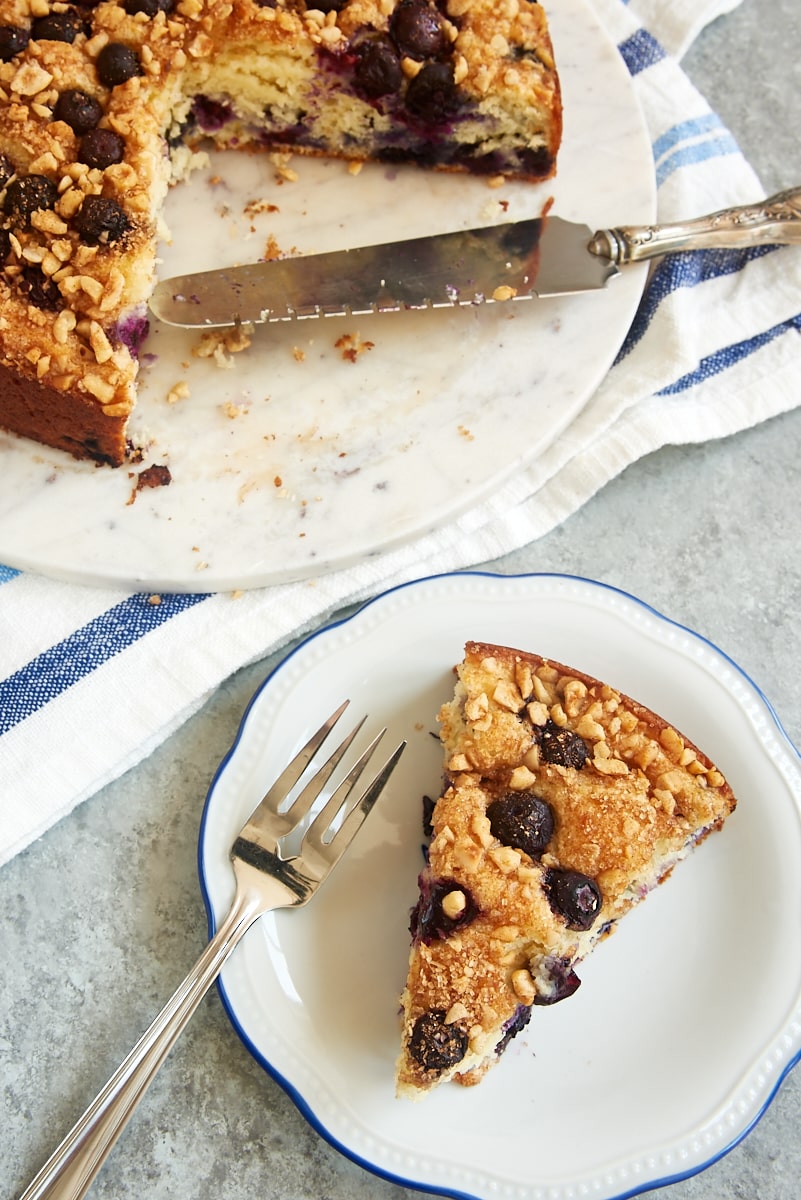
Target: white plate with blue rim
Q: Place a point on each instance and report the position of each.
(687, 1019)
(304, 456)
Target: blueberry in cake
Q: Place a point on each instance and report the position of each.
(100, 100)
(565, 802)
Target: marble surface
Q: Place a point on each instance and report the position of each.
(102, 917)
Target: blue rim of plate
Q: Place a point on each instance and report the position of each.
(298, 1100)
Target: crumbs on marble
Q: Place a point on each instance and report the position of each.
(179, 391)
(465, 433)
(298, 354)
(221, 344)
(254, 207)
(355, 166)
(504, 292)
(352, 347)
(496, 181)
(233, 410)
(273, 251)
(157, 475)
(493, 209)
(283, 172)
(201, 564)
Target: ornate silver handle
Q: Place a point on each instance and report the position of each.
(773, 221)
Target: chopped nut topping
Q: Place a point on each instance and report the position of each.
(586, 727)
(507, 695)
(537, 712)
(100, 388)
(476, 707)
(610, 766)
(454, 904)
(63, 325)
(456, 1012)
(30, 79)
(480, 826)
(467, 855)
(521, 778)
(672, 742)
(506, 933)
(523, 986)
(505, 858)
(524, 679)
(99, 342)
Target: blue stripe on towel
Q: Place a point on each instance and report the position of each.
(57, 669)
(729, 356)
(684, 270)
(7, 573)
(696, 152)
(683, 131)
(641, 50)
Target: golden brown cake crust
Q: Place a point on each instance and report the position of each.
(628, 796)
(479, 91)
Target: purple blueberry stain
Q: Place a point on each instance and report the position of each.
(556, 980)
(516, 1023)
(211, 115)
(132, 329)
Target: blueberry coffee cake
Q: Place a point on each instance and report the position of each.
(565, 802)
(101, 101)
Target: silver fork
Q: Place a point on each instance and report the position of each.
(265, 880)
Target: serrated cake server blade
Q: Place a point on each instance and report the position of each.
(537, 257)
(467, 267)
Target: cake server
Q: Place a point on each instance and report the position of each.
(541, 257)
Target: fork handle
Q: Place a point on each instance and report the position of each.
(68, 1173)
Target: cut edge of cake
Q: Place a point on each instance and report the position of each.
(565, 802)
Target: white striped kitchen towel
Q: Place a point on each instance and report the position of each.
(92, 680)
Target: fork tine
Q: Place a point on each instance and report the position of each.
(299, 807)
(359, 809)
(363, 807)
(294, 769)
(267, 809)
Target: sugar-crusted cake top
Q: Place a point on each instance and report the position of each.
(565, 802)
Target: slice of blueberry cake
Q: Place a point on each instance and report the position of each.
(565, 803)
(100, 98)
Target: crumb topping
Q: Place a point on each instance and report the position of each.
(565, 803)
